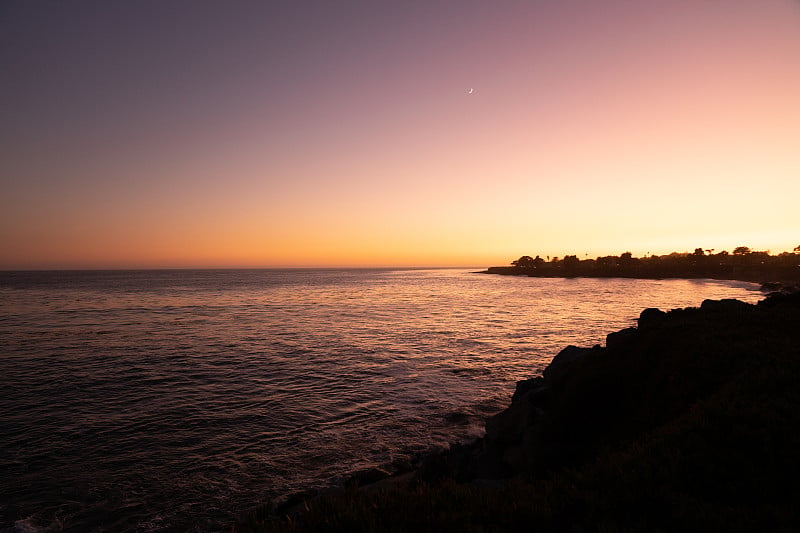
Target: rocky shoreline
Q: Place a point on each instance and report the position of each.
(778, 281)
(588, 397)
(594, 401)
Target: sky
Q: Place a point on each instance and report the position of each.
(172, 133)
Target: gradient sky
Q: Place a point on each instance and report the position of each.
(166, 133)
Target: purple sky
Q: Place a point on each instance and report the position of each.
(167, 133)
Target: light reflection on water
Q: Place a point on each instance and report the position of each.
(145, 400)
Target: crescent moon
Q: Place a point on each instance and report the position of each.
(471, 90)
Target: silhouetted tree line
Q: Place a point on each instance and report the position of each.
(742, 264)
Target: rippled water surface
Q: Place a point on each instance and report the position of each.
(173, 400)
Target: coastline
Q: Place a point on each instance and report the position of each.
(768, 282)
(773, 272)
(591, 403)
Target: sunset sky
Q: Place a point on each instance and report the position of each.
(167, 133)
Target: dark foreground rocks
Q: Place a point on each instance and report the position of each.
(592, 399)
(690, 421)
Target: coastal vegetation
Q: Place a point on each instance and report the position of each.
(740, 264)
(688, 422)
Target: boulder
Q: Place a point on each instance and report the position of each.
(775, 299)
(620, 338)
(536, 386)
(508, 426)
(561, 363)
(651, 317)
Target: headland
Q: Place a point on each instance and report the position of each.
(743, 265)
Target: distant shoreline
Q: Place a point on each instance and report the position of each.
(766, 284)
(773, 272)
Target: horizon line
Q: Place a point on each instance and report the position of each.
(186, 268)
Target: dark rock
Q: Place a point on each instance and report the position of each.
(461, 463)
(620, 338)
(561, 363)
(526, 386)
(651, 317)
(434, 467)
(775, 299)
(489, 464)
(516, 457)
(509, 425)
(727, 305)
(462, 460)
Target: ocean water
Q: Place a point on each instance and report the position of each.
(175, 400)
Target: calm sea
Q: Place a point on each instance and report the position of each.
(174, 400)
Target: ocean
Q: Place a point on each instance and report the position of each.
(175, 400)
